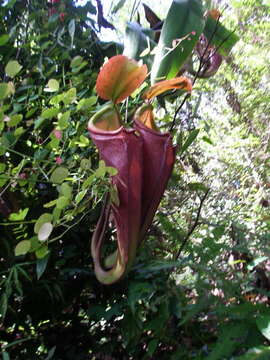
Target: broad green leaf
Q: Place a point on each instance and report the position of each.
(59, 175)
(45, 231)
(85, 164)
(62, 202)
(44, 218)
(76, 61)
(49, 113)
(52, 86)
(42, 251)
(63, 121)
(22, 247)
(4, 90)
(19, 131)
(15, 120)
(87, 103)
(180, 32)
(137, 44)
(12, 68)
(66, 190)
(221, 37)
(263, 323)
(70, 96)
(191, 138)
(41, 266)
(4, 39)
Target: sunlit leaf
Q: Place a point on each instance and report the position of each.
(22, 247)
(52, 86)
(13, 68)
(45, 231)
(119, 77)
(59, 175)
(44, 218)
(165, 85)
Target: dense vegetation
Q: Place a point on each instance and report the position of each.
(200, 286)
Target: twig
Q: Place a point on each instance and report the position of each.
(202, 63)
(195, 224)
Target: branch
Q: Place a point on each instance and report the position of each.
(195, 224)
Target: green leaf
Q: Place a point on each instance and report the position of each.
(45, 231)
(42, 251)
(44, 218)
(12, 68)
(41, 266)
(22, 247)
(80, 196)
(70, 96)
(49, 113)
(221, 37)
(263, 323)
(138, 44)
(15, 120)
(66, 190)
(191, 138)
(4, 90)
(59, 175)
(87, 103)
(4, 39)
(63, 121)
(52, 86)
(197, 186)
(180, 32)
(83, 141)
(19, 216)
(76, 61)
(111, 170)
(85, 164)
(62, 202)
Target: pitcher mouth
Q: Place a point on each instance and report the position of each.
(152, 131)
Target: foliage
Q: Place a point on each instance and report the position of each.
(200, 286)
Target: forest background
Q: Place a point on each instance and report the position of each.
(200, 286)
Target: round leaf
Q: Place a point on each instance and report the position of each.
(12, 68)
(44, 218)
(45, 231)
(52, 86)
(22, 247)
(59, 175)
